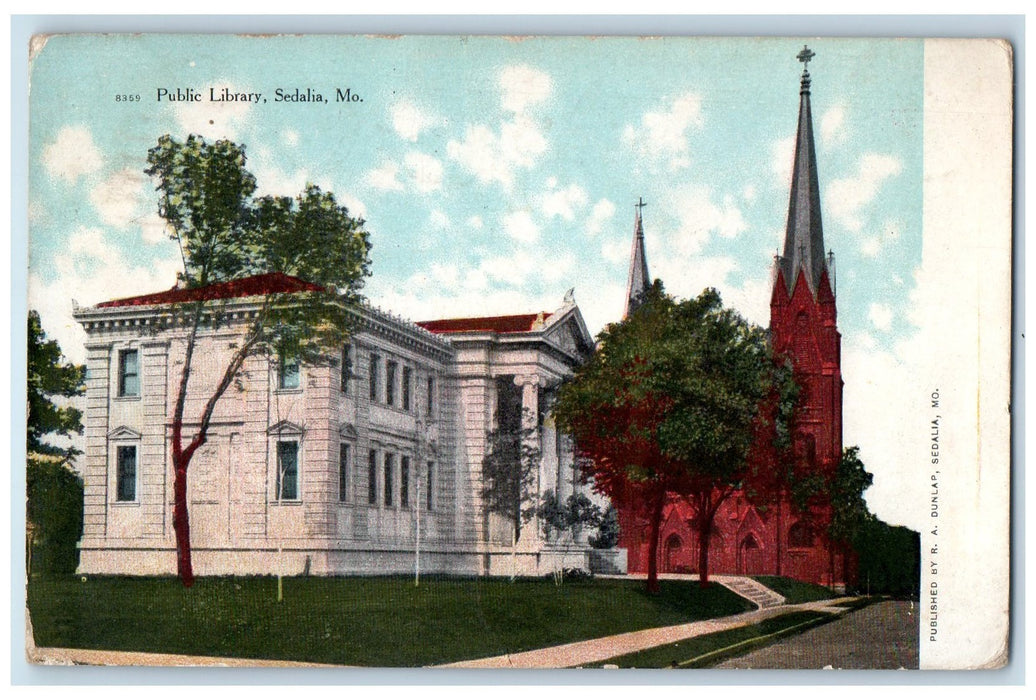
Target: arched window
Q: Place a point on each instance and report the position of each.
(673, 544)
(800, 534)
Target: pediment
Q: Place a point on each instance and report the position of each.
(570, 334)
(347, 431)
(285, 427)
(124, 433)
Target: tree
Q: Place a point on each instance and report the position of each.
(511, 462)
(849, 514)
(206, 195)
(54, 509)
(607, 535)
(54, 505)
(666, 408)
(564, 518)
(50, 376)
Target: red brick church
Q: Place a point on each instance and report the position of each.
(774, 540)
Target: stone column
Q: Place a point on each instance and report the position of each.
(530, 384)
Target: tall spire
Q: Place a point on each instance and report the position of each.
(639, 279)
(804, 240)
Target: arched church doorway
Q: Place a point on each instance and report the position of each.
(671, 556)
(749, 556)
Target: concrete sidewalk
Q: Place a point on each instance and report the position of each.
(597, 650)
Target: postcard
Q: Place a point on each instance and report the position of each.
(519, 352)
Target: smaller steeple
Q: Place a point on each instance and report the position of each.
(639, 279)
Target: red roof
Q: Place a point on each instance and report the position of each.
(519, 323)
(257, 285)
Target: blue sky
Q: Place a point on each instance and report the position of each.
(495, 174)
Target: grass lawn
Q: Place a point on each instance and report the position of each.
(355, 621)
(796, 591)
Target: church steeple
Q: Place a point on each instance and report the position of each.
(804, 240)
(639, 279)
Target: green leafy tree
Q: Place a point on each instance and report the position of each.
(206, 195)
(50, 376)
(509, 476)
(54, 511)
(666, 408)
(54, 506)
(849, 513)
(562, 520)
(607, 535)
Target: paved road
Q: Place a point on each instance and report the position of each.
(880, 636)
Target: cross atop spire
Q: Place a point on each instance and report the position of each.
(805, 56)
(639, 279)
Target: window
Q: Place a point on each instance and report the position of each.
(343, 472)
(374, 379)
(129, 373)
(287, 373)
(391, 369)
(404, 482)
(800, 535)
(390, 464)
(347, 366)
(430, 482)
(431, 395)
(407, 377)
(372, 478)
(126, 473)
(287, 470)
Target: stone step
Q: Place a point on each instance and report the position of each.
(752, 590)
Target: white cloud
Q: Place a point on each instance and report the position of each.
(438, 219)
(782, 154)
(700, 217)
(522, 87)
(881, 316)
(686, 277)
(356, 207)
(872, 245)
(563, 202)
(118, 199)
(663, 135)
(601, 213)
(478, 152)
(847, 197)
(154, 228)
(615, 251)
(493, 157)
(290, 137)
(520, 226)
(91, 270)
(521, 141)
(409, 120)
(832, 126)
(475, 222)
(424, 171)
(384, 177)
(748, 193)
(214, 120)
(72, 154)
